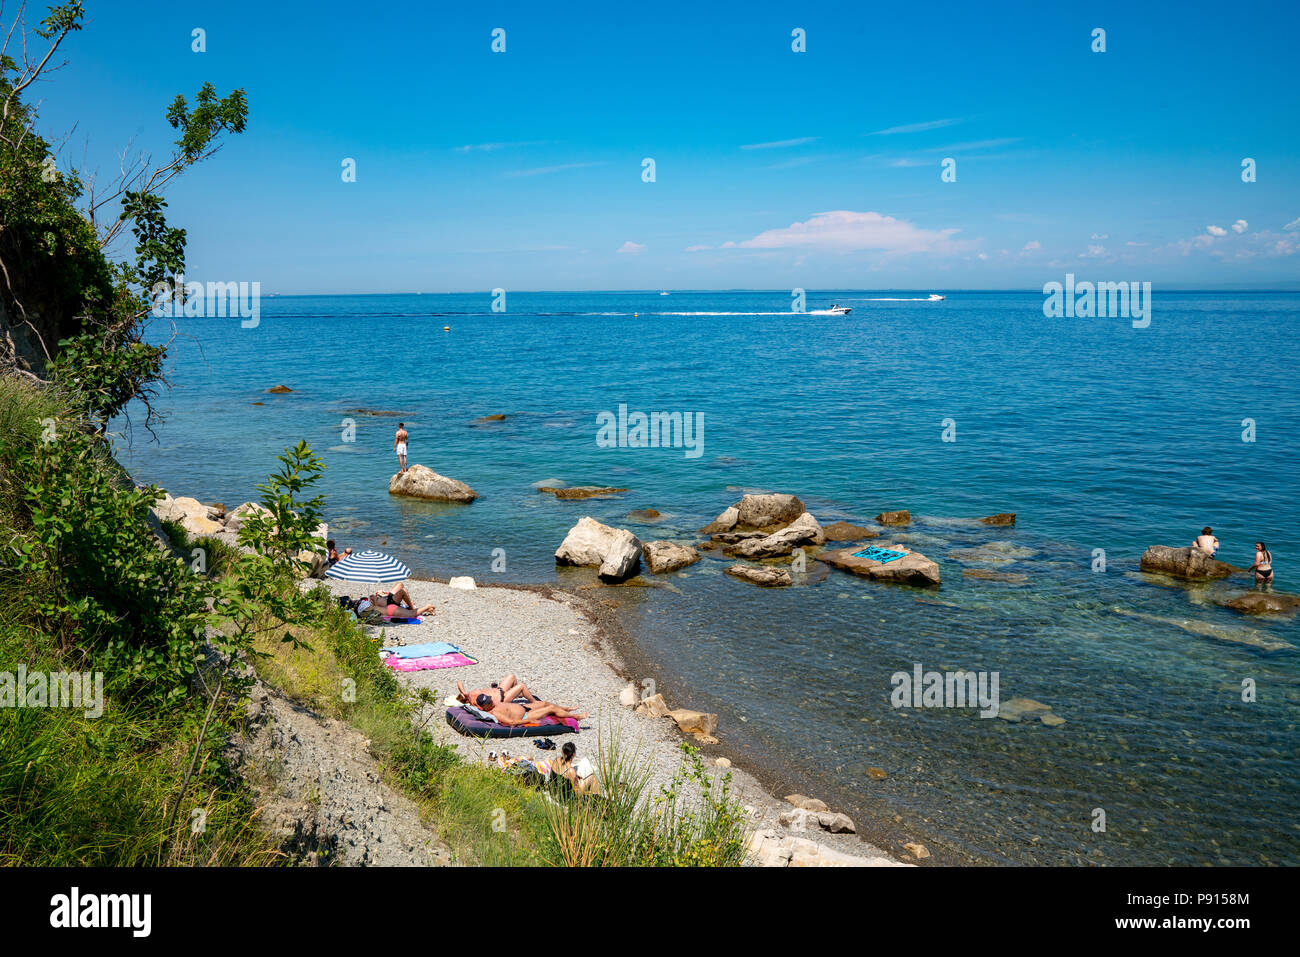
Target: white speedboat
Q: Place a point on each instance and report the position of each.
(832, 311)
(935, 297)
(664, 293)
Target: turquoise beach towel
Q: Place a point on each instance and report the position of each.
(882, 555)
(430, 649)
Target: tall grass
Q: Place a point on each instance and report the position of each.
(77, 790)
(692, 821)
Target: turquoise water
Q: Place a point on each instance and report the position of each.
(1099, 435)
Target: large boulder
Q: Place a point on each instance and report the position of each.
(662, 557)
(723, 523)
(1264, 603)
(694, 722)
(419, 481)
(616, 552)
(1191, 563)
(912, 569)
(804, 530)
(178, 509)
(765, 576)
(768, 511)
(236, 518)
(200, 525)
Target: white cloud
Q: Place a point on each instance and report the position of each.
(780, 144)
(1240, 226)
(493, 147)
(1094, 252)
(1032, 245)
(697, 249)
(545, 170)
(914, 127)
(1216, 230)
(1101, 236)
(631, 248)
(845, 231)
(1293, 225)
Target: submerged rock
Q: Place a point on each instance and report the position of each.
(616, 552)
(903, 517)
(662, 557)
(846, 532)
(645, 515)
(495, 417)
(987, 574)
(1264, 603)
(912, 569)
(1019, 708)
(581, 491)
(279, 389)
(993, 553)
(421, 482)
(764, 576)
(1235, 634)
(1190, 562)
(1002, 518)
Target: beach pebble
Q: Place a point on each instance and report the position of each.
(878, 773)
(918, 851)
(628, 696)
(464, 582)
(723, 763)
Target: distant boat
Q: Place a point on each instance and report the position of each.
(663, 292)
(935, 297)
(834, 310)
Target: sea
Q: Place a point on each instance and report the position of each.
(1104, 436)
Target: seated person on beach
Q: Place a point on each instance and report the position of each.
(1206, 541)
(397, 604)
(332, 554)
(507, 689)
(563, 767)
(510, 714)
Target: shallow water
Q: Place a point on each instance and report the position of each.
(1098, 435)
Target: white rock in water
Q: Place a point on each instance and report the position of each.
(463, 582)
(615, 551)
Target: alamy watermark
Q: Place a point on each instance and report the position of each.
(946, 689)
(53, 689)
(653, 430)
(215, 300)
(1099, 300)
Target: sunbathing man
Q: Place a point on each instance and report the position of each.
(507, 689)
(510, 714)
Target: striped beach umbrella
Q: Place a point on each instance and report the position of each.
(368, 566)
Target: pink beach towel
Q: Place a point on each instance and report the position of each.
(454, 659)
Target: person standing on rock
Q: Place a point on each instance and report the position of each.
(399, 445)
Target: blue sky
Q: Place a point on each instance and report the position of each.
(774, 169)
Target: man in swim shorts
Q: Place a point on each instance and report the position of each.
(509, 714)
(399, 445)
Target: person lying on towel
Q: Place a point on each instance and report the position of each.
(397, 604)
(507, 689)
(510, 714)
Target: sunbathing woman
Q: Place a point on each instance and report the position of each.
(397, 604)
(508, 713)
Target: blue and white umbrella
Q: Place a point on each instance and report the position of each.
(368, 566)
